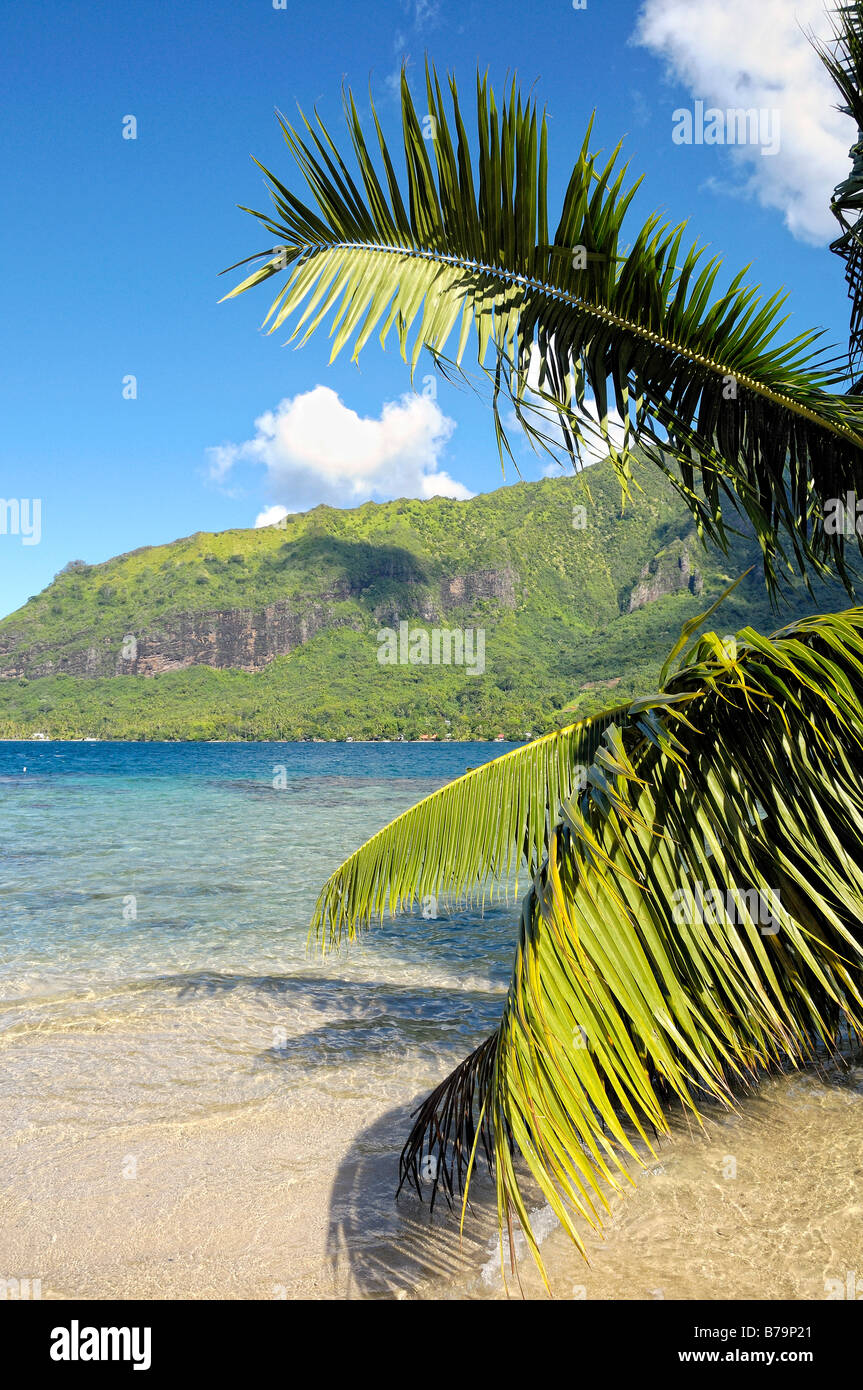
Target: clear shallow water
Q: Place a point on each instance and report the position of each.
(156, 980)
(144, 884)
(170, 1050)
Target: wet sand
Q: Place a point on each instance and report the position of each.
(192, 1106)
(295, 1200)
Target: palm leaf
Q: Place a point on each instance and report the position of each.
(742, 779)
(462, 245)
(843, 59)
(509, 804)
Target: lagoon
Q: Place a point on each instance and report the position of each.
(194, 1105)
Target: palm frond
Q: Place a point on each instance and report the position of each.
(462, 245)
(696, 920)
(843, 59)
(479, 828)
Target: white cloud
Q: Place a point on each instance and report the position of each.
(270, 515)
(755, 54)
(595, 444)
(315, 449)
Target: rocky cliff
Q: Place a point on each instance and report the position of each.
(667, 573)
(249, 639)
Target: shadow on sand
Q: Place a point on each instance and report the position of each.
(380, 1246)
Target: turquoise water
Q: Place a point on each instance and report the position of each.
(142, 878)
(193, 1105)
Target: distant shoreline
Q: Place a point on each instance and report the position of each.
(312, 742)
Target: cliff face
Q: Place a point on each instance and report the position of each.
(249, 639)
(241, 638)
(512, 562)
(667, 573)
(499, 585)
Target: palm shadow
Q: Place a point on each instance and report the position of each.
(383, 1246)
(380, 1245)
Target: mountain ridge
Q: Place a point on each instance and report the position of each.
(272, 631)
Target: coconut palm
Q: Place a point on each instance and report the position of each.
(693, 858)
(844, 61)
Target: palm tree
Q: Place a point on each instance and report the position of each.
(695, 900)
(844, 61)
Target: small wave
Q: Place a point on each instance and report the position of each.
(542, 1222)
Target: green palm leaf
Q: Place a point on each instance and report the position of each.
(478, 828)
(635, 986)
(462, 245)
(843, 59)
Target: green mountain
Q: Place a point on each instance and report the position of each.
(549, 599)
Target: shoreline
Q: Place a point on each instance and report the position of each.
(318, 742)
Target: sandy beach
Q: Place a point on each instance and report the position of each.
(298, 1203)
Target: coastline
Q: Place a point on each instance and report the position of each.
(194, 1106)
(510, 743)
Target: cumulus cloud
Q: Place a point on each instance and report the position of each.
(270, 515)
(315, 449)
(755, 54)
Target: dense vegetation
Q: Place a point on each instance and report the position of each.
(563, 643)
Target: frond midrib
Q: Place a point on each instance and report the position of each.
(318, 920)
(598, 311)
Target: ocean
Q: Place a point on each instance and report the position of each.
(194, 1103)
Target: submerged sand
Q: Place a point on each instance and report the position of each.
(294, 1199)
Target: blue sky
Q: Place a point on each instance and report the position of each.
(112, 247)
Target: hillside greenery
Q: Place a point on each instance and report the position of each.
(561, 647)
